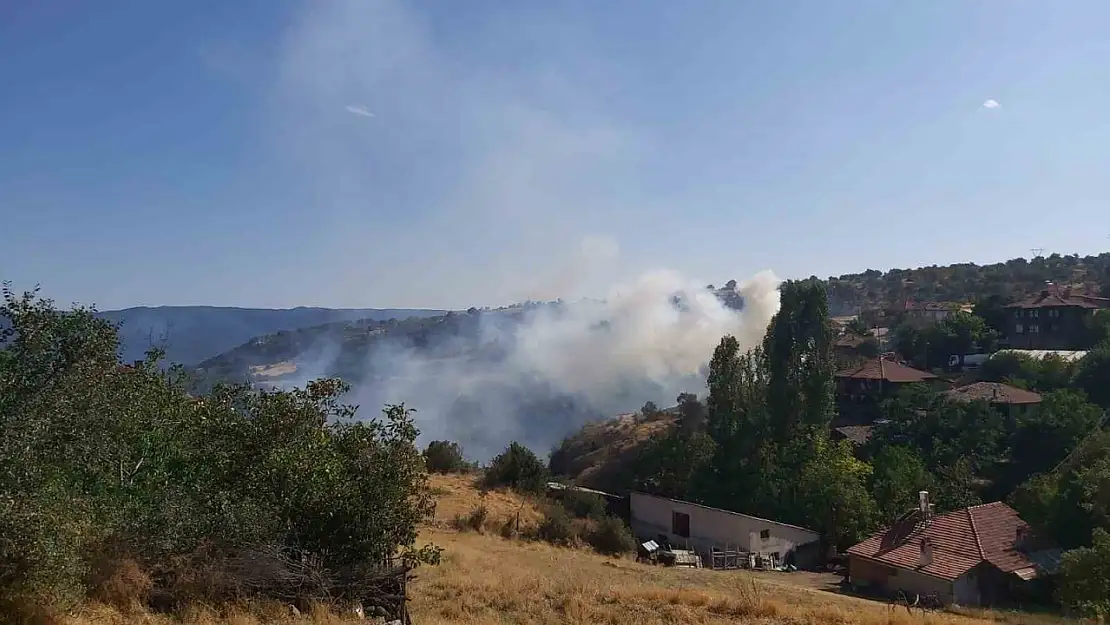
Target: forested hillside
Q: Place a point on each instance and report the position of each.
(190, 334)
(966, 282)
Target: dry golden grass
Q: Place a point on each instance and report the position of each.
(458, 495)
(276, 614)
(484, 579)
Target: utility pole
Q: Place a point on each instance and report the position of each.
(1037, 252)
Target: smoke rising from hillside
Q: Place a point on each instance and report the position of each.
(539, 378)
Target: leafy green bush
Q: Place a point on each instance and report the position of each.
(611, 537)
(93, 454)
(1084, 584)
(583, 505)
(518, 468)
(444, 457)
(556, 527)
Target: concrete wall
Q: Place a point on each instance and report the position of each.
(966, 588)
(710, 527)
(865, 572)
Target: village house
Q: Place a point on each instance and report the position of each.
(851, 347)
(860, 387)
(926, 311)
(981, 555)
(1055, 318)
(1012, 401)
(702, 529)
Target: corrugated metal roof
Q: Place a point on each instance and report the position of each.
(634, 494)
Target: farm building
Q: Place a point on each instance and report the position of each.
(703, 529)
(981, 555)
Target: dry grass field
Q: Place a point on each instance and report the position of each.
(485, 579)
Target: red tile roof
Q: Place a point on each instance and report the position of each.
(883, 369)
(993, 392)
(858, 434)
(960, 540)
(1053, 297)
(850, 340)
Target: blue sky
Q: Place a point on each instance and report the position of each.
(210, 152)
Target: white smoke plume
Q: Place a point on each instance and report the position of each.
(539, 377)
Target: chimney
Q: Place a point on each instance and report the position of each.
(926, 553)
(923, 505)
(1021, 534)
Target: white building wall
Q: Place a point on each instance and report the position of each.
(710, 527)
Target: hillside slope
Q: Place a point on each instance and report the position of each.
(600, 454)
(484, 579)
(191, 334)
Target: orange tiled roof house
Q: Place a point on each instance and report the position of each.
(981, 555)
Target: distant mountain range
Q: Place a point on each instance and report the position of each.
(191, 334)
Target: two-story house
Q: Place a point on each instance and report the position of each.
(1055, 318)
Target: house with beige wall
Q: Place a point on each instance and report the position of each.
(981, 555)
(703, 529)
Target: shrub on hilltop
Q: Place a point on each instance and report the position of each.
(444, 457)
(518, 468)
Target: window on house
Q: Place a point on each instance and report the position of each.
(1054, 313)
(680, 524)
(765, 535)
(1019, 329)
(1017, 313)
(1034, 328)
(1034, 313)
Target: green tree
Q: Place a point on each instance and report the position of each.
(1084, 583)
(691, 413)
(800, 366)
(519, 468)
(444, 457)
(668, 466)
(740, 474)
(911, 342)
(898, 475)
(1097, 328)
(956, 485)
(833, 493)
(1093, 376)
(93, 453)
(991, 309)
(1047, 435)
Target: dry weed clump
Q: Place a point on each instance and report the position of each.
(475, 521)
(120, 582)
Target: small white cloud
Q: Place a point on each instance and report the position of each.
(363, 111)
(991, 104)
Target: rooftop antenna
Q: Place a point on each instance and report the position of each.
(1037, 251)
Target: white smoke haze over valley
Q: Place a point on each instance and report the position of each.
(538, 377)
